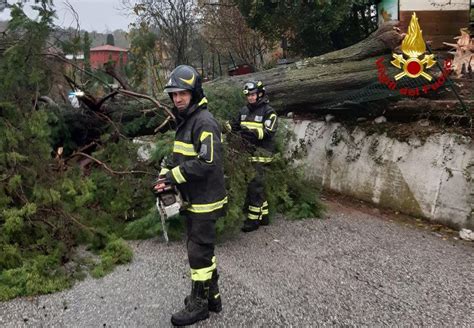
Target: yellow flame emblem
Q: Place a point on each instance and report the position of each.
(413, 46)
(190, 81)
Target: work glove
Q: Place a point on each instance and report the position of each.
(248, 134)
(162, 183)
(226, 127)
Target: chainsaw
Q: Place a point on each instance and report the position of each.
(169, 202)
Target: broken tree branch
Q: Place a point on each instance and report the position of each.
(153, 100)
(105, 166)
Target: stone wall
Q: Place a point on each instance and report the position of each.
(430, 179)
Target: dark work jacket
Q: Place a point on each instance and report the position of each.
(198, 168)
(257, 124)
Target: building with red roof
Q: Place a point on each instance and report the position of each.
(103, 54)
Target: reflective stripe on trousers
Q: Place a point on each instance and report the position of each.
(204, 274)
(256, 213)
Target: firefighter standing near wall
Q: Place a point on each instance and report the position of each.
(197, 171)
(257, 124)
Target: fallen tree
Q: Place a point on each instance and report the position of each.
(347, 83)
(316, 83)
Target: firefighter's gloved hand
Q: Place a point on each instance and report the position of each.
(248, 134)
(226, 127)
(162, 184)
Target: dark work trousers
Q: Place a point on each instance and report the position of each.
(256, 203)
(201, 236)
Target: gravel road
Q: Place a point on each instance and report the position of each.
(353, 268)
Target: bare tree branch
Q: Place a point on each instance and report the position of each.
(162, 124)
(156, 102)
(105, 166)
(77, 67)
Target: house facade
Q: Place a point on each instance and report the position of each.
(103, 54)
(440, 20)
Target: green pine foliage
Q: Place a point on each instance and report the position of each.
(116, 252)
(45, 210)
(50, 205)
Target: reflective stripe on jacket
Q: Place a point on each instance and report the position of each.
(262, 120)
(198, 161)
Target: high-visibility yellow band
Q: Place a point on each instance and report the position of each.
(164, 171)
(177, 175)
(254, 125)
(206, 208)
(203, 101)
(205, 135)
(261, 159)
(273, 119)
(203, 274)
(253, 216)
(254, 209)
(264, 212)
(184, 148)
(265, 203)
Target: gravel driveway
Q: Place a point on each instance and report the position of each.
(354, 268)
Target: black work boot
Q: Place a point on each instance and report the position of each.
(264, 221)
(197, 307)
(250, 225)
(214, 300)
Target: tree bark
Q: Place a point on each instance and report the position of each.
(319, 82)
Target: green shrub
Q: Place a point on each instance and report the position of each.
(50, 206)
(116, 252)
(39, 275)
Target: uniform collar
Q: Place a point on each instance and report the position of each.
(188, 112)
(262, 101)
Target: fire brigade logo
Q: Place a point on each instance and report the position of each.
(413, 46)
(413, 63)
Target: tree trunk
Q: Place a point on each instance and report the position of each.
(319, 82)
(344, 83)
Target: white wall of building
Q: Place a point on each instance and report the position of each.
(431, 179)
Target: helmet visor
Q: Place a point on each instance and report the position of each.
(173, 89)
(250, 88)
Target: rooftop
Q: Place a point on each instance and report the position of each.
(107, 47)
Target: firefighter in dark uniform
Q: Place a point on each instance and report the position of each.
(197, 171)
(257, 124)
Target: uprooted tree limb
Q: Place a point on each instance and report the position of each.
(311, 84)
(106, 167)
(110, 111)
(346, 82)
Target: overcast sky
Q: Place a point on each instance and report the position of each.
(94, 15)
